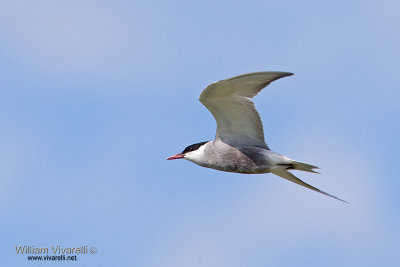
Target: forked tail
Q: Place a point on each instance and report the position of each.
(303, 167)
(295, 165)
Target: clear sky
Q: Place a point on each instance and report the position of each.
(95, 95)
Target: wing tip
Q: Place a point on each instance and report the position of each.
(332, 196)
(291, 177)
(278, 74)
(288, 73)
(282, 74)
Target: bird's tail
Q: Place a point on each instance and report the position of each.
(296, 165)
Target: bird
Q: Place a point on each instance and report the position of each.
(239, 145)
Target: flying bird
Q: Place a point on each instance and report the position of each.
(239, 144)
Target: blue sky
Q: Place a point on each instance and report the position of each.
(94, 95)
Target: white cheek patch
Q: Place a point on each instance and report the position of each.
(197, 155)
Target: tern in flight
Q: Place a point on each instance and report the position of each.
(239, 144)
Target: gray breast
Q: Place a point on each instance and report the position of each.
(224, 157)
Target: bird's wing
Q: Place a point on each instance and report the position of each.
(289, 176)
(238, 121)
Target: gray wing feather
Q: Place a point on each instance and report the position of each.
(238, 121)
(289, 176)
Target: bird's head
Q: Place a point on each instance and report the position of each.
(192, 152)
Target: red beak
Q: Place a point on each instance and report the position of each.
(177, 156)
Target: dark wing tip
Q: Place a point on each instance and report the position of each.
(332, 196)
(288, 73)
(283, 74)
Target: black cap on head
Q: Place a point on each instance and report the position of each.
(193, 147)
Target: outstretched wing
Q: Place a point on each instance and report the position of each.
(238, 121)
(289, 176)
